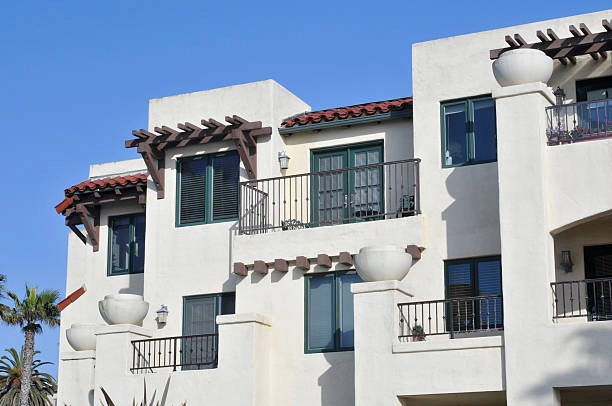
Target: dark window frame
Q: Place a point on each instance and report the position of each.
(209, 189)
(132, 240)
(470, 138)
(337, 311)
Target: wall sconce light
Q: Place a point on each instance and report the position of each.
(283, 160)
(566, 261)
(162, 314)
(559, 96)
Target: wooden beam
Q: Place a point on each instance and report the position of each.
(302, 263)
(281, 265)
(155, 166)
(93, 229)
(574, 31)
(510, 41)
(541, 36)
(520, 40)
(606, 24)
(71, 297)
(585, 30)
(240, 269)
(248, 156)
(260, 267)
(346, 258)
(324, 260)
(78, 232)
(414, 251)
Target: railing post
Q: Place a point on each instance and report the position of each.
(175, 348)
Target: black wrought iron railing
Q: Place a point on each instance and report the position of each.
(581, 121)
(457, 316)
(590, 298)
(363, 193)
(173, 353)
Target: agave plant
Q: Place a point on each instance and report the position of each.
(144, 401)
(42, 386)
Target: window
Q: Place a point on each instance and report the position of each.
(472, 277)
(208, 188)
(200, 343)
(329, 311)
(126, 244)
(343, 196)
(468, 132)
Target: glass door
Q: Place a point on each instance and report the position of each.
(343, 194)
(598, 269)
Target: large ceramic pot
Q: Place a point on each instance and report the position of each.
(123, 308)
(82, 337)
(522, 65)
(382, 263)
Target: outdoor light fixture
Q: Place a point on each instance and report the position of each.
(283, 160)
(162, 314)
(559, 96)
(566, 261)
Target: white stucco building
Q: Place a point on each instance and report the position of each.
(501, 194)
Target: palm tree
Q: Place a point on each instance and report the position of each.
(43, 385)
(30, 314)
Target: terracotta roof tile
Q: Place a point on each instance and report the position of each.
(342, 113)
(104, 183)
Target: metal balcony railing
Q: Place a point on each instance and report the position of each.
(363, 193)
(456, 317)
(591, 298)
(581, 121)
(184, 352)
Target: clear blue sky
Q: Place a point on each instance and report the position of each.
(76, 77)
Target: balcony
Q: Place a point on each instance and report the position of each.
(457, 317)
(172, 353)
(575, 122)
(588, 298)
(357, 194)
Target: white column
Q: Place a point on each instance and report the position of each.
(376, 329)
(76, 378)
(526, 245)
(244, 358)
(115, 352)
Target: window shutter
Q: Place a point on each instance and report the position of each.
(320, 327)
(347, 334)
(225, 176)
(192, 190)
(138, 248)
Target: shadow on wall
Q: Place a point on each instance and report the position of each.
(581, 356)
(340, 374)
(135, 284)
(473, 217)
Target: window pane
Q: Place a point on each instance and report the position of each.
(120, 245)
(459, 280)
(489, 284)
(225, 186)
(320, 323)
(346, 309)
(199, 318)
(138, 248)
(192, 190)
(485, 141)
(455, 134)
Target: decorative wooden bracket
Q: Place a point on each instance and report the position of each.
(242, 132)
(82, 214)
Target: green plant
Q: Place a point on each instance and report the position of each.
(418, 334)
(144, 401)
(42, 386)
(30, 314)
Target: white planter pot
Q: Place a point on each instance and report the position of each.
(81, 337)
(123, 308)
(522, 65)
(382, 263)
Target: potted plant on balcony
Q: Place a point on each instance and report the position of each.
(418, 334)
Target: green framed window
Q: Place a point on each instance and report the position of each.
(469, 133)
(342, 196)
(208, 187)
(126, 244)
(474, 277)
(200, 341)
(328, 318)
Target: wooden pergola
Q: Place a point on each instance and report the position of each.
(242, 132)
(582, 42)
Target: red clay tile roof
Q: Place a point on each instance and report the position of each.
(341, 113)
(96, 184)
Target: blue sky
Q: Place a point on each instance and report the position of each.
(76, 77)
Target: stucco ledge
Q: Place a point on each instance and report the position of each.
(241, 318)
(77, 355)
(527, 88)
(449, 345)
(382, 286)
(124, 328)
